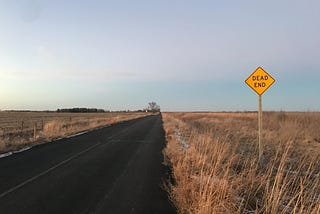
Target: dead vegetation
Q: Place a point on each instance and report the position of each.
(214, 157)
(20, 129)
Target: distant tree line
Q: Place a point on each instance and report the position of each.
(153, 107)
(81, 110)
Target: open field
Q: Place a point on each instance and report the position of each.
(18, 129)
(214, 157)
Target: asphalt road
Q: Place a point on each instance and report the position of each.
(117, 169)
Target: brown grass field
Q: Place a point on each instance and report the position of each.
(20, 129)
(216, 169)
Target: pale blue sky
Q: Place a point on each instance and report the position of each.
(185, 55)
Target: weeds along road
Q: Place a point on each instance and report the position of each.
(117, 169)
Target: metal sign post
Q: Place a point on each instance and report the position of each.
(260, 81)
(260, 126)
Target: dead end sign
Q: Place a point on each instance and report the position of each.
(260, 81)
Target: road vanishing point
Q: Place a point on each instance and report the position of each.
(115, 169)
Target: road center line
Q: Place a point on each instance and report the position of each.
(47, 171)
(60, 164)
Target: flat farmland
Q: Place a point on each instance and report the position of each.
(216, 166)
(18, 129)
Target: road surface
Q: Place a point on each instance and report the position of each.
(116, 169)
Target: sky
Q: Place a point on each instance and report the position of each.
(186, 55)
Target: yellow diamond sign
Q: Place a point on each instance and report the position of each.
(260, 81)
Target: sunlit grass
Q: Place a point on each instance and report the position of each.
(219, 171)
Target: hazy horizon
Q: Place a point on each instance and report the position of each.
(184, 55)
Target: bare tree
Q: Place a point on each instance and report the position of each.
(153, 107)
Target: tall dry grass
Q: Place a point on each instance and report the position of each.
(214, 157)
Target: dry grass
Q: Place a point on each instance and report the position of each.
(19, 129)
(215, 163)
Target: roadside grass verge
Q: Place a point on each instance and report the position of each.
(58, 127)
(214, 158)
